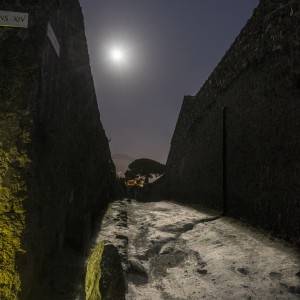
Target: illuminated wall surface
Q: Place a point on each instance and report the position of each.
(248, 154)
(56, 173)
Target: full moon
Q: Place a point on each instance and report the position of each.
(117, 55)
(120, 56)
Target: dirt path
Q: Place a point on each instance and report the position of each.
(169, 253)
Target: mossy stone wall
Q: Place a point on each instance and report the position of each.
(56, 173)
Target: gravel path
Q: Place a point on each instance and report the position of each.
(170, 252)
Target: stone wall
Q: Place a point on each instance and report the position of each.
(56, 172)
(248, 154)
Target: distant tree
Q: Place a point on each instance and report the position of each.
(144, 167)
(130, 174)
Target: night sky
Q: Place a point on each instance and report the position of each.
(171, 47)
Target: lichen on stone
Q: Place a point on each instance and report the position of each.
(13, 190)
(93, 273)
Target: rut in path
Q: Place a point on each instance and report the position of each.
(170, 252)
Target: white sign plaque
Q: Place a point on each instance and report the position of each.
(53, 39)
(13, 19)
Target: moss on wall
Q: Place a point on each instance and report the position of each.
(15, 141)
(93, 273)
(14, 161)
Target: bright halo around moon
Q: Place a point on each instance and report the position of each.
(120, 57)
(117, 55)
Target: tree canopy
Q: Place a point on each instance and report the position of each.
(144, 167)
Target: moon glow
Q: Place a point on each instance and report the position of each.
(117, 55)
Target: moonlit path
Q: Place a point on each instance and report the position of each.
(172, 255)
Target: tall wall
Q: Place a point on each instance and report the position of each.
(250, 151)
(56, 172)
